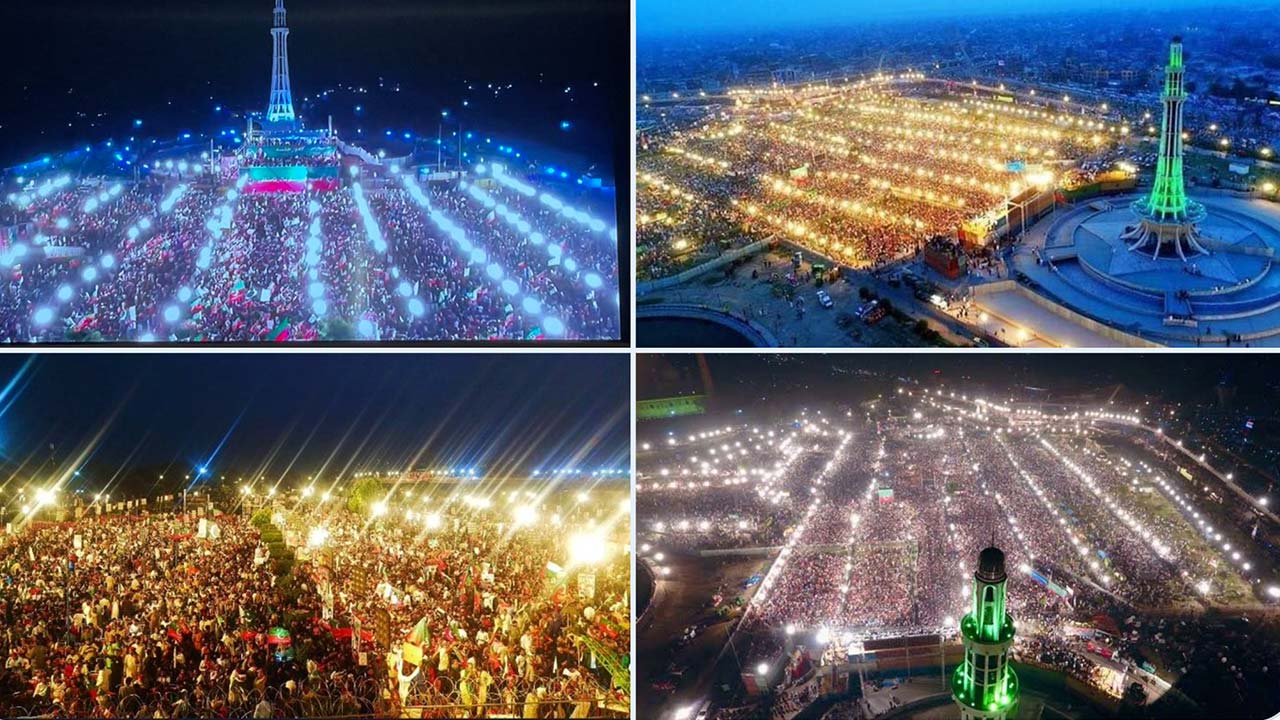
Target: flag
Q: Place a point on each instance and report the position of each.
(419, 635)
(412, 654)
(280, 333)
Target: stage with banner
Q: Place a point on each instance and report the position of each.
(289, 178)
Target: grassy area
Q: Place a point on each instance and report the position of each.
(1229, 587)
(1204, 169)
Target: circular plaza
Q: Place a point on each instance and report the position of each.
(1227, 294)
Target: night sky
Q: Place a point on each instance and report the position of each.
(171, 63)
(322, 413)
(849, 378)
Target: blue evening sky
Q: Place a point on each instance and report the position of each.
(696, 17)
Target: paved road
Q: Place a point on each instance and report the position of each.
(684, 595)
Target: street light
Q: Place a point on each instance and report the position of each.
(317, 537)
(45, 496)
(525, 515)
(586, 548)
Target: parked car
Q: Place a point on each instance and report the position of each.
(825, 300)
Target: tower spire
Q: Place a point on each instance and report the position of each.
(280, 103)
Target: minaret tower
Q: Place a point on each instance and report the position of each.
(1167, 217)
(280, 106)
(984, 686)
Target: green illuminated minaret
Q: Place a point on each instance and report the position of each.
(1168, 199)
(1167, 217)
(984, 686)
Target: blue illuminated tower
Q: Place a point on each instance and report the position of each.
(1167, 217)
(984, 686)
(280, 106)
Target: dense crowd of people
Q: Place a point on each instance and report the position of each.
(498, 629)
(865, 176)
(716, 519)
(882, 541)
(165, 615)
(144, 619)
(216, 264)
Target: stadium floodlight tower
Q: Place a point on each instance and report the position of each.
(984, 686)
(280, 105)
(1167, 218)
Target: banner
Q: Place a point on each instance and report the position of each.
(326, 600)
(283, 172)
(411, 653)
(292, 151)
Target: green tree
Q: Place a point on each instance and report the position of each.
(261, 518)
(364, 494)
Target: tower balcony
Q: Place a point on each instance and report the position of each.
(973, 637)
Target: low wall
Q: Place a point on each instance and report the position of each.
(740, 552)
(723, 259)
(645, 618)
(1064, 312)
(754, 332)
